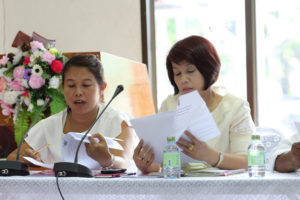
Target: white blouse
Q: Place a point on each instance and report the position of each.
(233, 119)
(50, 130)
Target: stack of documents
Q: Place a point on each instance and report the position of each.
(191, 114)
(212, 172)
(189, 167)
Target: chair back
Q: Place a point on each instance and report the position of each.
(270, 138)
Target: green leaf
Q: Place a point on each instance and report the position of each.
(9, 71)
(21, 125)
(64, 60)
(46, 76)
(9, 65)
(58, 102)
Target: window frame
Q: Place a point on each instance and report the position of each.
(149, 56)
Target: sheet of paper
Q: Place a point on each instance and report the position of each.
(111, 142)
(69, 146)
(35, 162)
(194, 114)
(68, 150)
(191, 114)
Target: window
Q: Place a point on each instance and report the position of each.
(223, 23)
(278, 63)
(216, 20)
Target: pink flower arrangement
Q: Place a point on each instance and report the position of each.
(27, 77)
(27, 82)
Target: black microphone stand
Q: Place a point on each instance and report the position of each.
(74, 169)
(16, 167)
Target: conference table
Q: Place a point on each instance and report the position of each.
(239, 186)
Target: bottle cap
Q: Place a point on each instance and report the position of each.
(171, 139)
(255, 137)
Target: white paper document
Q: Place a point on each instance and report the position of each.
(111, 142)
(191, 114)
(35, 162)
(69, 146)
(70, 143)
(213, 172)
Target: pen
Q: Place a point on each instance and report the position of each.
(41, 148)
(228, 173)
(128, 175)
(117, 139)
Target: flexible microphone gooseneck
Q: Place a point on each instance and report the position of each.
(67, 169)
(16, 167)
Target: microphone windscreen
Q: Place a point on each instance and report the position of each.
(119, 89)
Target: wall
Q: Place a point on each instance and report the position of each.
(111, 26)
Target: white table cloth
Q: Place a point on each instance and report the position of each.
(272, 186)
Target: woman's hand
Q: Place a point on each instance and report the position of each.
(290, 161)
(198, 150)
(99, 151)
(28, 152)
(143, 157)
(25, 151)
(295, 153)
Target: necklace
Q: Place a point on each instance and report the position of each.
(78, 126)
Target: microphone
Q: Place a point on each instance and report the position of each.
(74, 169)
(16, 167)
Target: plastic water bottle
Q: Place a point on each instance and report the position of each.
(256, 157)
(171, 159)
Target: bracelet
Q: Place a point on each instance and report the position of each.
(221, 157)
(112, 162)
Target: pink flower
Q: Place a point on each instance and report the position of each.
(26, 61)
(16, 85)
(6, 109)
(57, 66)
(19, 72)
(48, 57)
(36, 45)
(36, 82)
(4, 60)
(3, 84)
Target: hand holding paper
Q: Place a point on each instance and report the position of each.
(69, 145)
(191, 114)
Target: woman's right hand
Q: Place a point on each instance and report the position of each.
(143, 157)
(28, 152)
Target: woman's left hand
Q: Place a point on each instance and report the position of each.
(198, 150)
(99, 151)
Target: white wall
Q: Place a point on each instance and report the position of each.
(111, 26)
